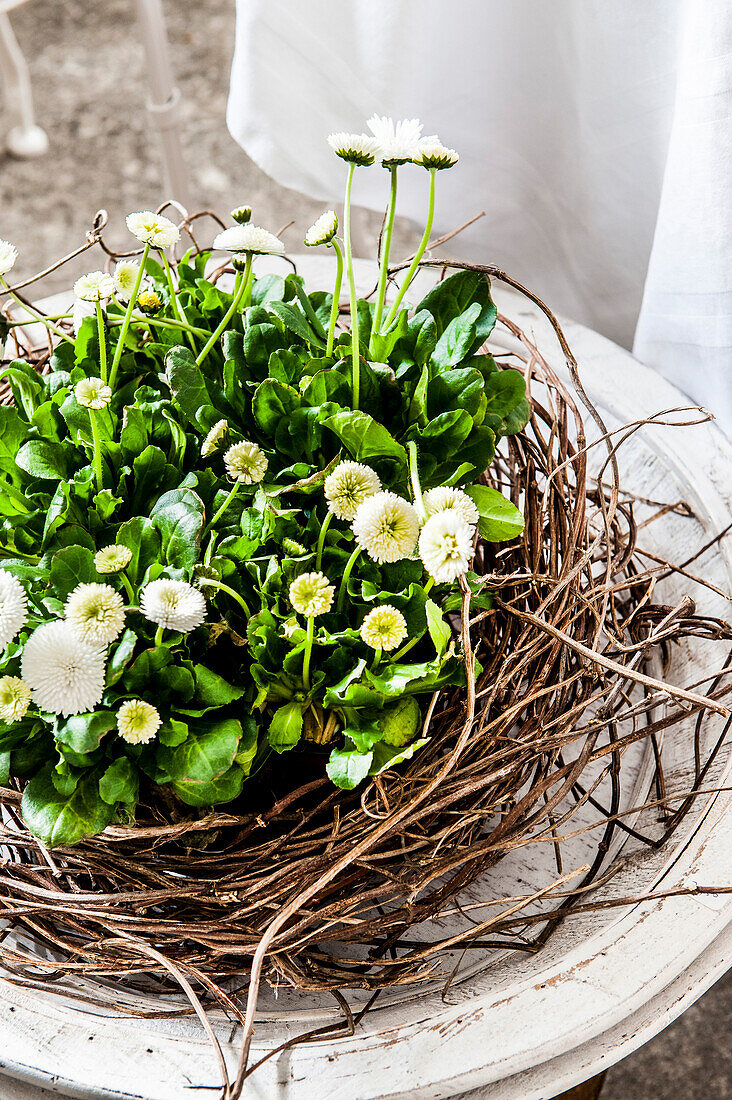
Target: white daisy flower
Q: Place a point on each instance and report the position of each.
(125, 277)
(355, 148)
(446, 545)
(242, 214)
(92, 393)
(398, 141)
(65, 672)
(445, 497)
(96, 286)
(249, 238)
(433, 154)
(323, 229)
(153, 229)
(384, 628)
(96, 612)
(138, 721)
(311, 594)
(8, 256)
(348, 486)
(13, 607)
(15, 697)
(112, 559)
(214, 438)
(246, 462)
(387, 526)
(175, 605)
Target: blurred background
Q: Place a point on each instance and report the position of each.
(90, 90)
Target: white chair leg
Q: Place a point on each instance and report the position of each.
(26, 139)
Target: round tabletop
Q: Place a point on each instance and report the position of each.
(522, 1026)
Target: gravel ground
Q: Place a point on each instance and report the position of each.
(89, 88)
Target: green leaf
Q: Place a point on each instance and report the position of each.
(140, 536)
(454, 295)
(58, 819)
(458, 338)
(120, 657)
(188, 387)
(387, 756)
(84, 732)
(43, 460)
(440, 632)
(119, 782)
(285, 728)
(178, 516)
(12, 434)
(223, 788)
(213, 690)
(346, 768)
(500, 520)
(204, 756)
(364, 437)
(273, 402)
(72, 566)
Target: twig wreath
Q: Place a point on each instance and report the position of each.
(309, 614)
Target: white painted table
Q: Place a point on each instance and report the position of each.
(525, 1027)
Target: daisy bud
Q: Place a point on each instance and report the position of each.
(174, 605)
(153, 229)
(384, 628)
(323, 230)
(8, 256)
(398, 141)
(348, 486)
(249, 238)
(15, 697)
(354, 148)
(112, 559)
(92, 393)
(445, 497)
(446, 546)
(387, 526)
(215, 438)
(96, 612)
(13, 607)
(65, 672)
(149, 301)
(433, 154)
(246, 462)
(242, 214)
(97, 286)
(125, 277)
(311, 594)
(137, 722)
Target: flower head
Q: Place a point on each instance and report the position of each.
(112, 559)
(65, 672)
(13, 607)
(384, 628)
(387, 527)
(149, 301)
(311, 594)
(398, 141)
(96, 286)
(446, 545)
(8, 256)
(246, 462)
(153, 229)
(175, 605)
(348, 486)
(15, 697)
(242, 214)
(249, 238)
(355, 148)
(445, 497)
(96, 612)
(125, 277)
(137, 721)
(92, 393)
(433, 154)
(323, 229)
(215, 438)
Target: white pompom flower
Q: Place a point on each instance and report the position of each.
(446, 545)
(112, 559)
(246, 462)
(444, 498)
(433, 154)
(65, 672)
(387, 527)
(215, 438)
(125, 278)
(8, 256)
(355, 148)
(398, 141)
(138, 721)
(95, 286)
(13, 607)
(348, 486)
(384, 628)
(153, 229)
(15, 696)
(312, 594)
(96, 612)
(323, 229)
(92, 393)
(175, 605)
(249, 238)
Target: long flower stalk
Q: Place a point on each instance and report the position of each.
(384, 260)
(127, 318)
(97, 451)
(102, 341)
(174, 297)
(241, 283)
(46, 321)
(336, 298)
(355, 349)
(343, 590)
(417, 256)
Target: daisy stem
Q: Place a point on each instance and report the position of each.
(241, 282)
(232, 493)
(158, 637)
(343, 590)
(384, 267)
(414, 476)
(35, 314)
(309, 635)
(127, 586)
(417, 256)
(97, 451)
(163, 322)
(336, 298)
(102, 342)
(174, 297)
(128, 315)
(376, 659)
(355, 350)
(210, 583)
(321, 539)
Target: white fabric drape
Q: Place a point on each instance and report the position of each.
(596, 137)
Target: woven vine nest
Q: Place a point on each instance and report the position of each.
(323, 889)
